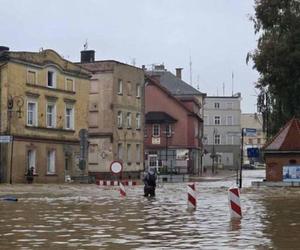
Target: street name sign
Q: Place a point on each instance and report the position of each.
(5, 138)
(251, 132)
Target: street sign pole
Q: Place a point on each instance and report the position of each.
(242, 156)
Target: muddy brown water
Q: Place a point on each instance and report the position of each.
(92, 217)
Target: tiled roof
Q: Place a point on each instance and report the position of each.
(287, 139)
(175, 85)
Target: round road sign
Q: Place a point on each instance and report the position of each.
(116, 167)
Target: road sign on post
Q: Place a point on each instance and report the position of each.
(250, 132)
(83, 135)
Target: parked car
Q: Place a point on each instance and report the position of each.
(248, 166)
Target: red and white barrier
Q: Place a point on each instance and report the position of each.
(234, 202)
(122, 190)
(115, 183)
(191, 196)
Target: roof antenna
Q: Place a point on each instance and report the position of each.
(191, 72)
(198, 80)
(232, 77)
(223, 88)
(85, 45)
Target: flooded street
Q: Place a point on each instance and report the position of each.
(93, 217)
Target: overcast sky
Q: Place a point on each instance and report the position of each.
(215, 34)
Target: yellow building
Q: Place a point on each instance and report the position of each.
(116, 111)
(43, 105)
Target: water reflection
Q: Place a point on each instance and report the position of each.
(89, 217)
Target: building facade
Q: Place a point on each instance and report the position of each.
(187, 95)
(43, 106)
(173, 131)
(222, 132)
(116, 111)
(253, 121)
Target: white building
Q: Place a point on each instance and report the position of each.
(253, 121)
(222, 132)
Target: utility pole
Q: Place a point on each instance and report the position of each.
(242, 156)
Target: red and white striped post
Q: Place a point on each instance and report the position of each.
(122, 190)
(191, 196)
(234, 202)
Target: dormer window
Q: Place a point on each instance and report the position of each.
(51, 79)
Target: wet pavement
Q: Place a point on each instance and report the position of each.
(93, 217)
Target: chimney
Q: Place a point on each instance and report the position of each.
(4, 48)
(87, 56)
(178, 72)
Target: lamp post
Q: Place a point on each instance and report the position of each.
(11, 102)
(213, 154)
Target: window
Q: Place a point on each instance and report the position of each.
(120, 87)
(230, 139)
(70, 86)
(138, 90)
(138, 121)
(229, 120)
(31, 160)
(138, 152)
(129, 88)
(128, 152)
(250, 141)
(217, 139)
(229, 105)
(168, 130)
(217, 120)
(69, 117)
(31, 76)
(120, 151)
(145, 132)
(156, 130)
(258, 141)
(128, 118)
(217, 105)
(32, 113)
(51, 79)
(51, 162)
(120, 119)
(51, 115)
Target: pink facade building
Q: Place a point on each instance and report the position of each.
(173, 130)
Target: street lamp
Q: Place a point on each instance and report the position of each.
(213, 155)
(13, 101)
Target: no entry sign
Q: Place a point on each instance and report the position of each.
(116, 167)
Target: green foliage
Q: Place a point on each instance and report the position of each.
(277, 59)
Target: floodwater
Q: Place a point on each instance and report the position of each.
(92, 217)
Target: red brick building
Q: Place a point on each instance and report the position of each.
(283, 150)
(173, 130)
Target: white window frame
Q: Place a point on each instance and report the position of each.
(168, 130)
(129, 149)
(54, 75)
(120, 151)
(72, 119)
(34, 116)
(217, 121)
(53, 120)
(66, 83)
(120, 87)
(31, 159)
(206, 119)
(217, 139)
(120, 119)
(138, 120)
(227, 120)
(138, 152)
(138, 90)
(217, 105)
(51, 157)
(154, 130)
(230, 139)
(27, 76)
(128, 119)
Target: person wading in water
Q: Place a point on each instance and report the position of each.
(150, 184)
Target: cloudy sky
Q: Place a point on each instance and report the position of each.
(215, 34)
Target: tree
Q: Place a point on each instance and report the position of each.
(277, 59)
